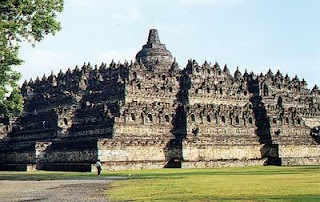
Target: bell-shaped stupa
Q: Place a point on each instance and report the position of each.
(154, 53)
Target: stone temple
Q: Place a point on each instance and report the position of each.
(152, 114)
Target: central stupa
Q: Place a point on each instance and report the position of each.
(154, 53)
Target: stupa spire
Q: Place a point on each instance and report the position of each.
(153, 37)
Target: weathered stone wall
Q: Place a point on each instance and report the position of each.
(209, 84)
(142, 131)
(66, 155)
(155, 86)
(211, 152)
(299, 154)
(15, 156)
(224, 163)
(151, 114)
(311, 121)
(3, 131)
(117, 154)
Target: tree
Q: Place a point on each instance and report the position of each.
(21, 20)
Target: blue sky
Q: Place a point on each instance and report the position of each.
(252, 34)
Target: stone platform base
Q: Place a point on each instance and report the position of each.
(224, 163)
(78, 167)
(16, 167)
(138, 165)
(131, 165)
(290, 161)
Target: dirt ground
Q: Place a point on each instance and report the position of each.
(55, 190)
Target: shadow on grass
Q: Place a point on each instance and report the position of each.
(40, 176)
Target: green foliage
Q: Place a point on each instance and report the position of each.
(21, 20)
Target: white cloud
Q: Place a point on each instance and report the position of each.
(209, 2)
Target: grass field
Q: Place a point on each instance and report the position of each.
(300, 183)
(231, 184)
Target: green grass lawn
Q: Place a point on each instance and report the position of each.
(300, 183)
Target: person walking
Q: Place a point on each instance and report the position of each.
(98, 166)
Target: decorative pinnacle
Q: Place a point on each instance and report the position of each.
(153, 37)
(315, 87)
